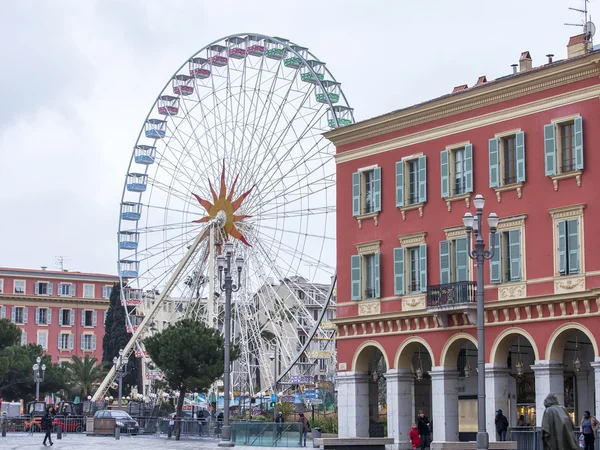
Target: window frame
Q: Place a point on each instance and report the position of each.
(107, 287)
(505, 226)
(14, 310)
(497, 162)
(448, 166)
(15, 287)
(562, 214)
(68, 339)
(38, 312)
(452, 234)
(71, 315)
(403, 183)
(359, 194)
(72, 292)
(365, 249)
(85, 287)
(45, 334)
(402, 264)
(1, 285)
(553, 133)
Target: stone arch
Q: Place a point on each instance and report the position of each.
(451, 349)
(403, 358)
(502, 344)
(558, 340)
(360, 362)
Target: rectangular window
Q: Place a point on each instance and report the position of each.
(365, 276)
(563, 146)
(66, 289)
(410, 270)
(370, 276)
(88, 318)
(86, 342)
(366, 191)
(42, 316)
(19, 287)
(457, 171)
(24, 338)
(568, 247)
(42, 339)
(506, 264)
(64, 341)
(1, 286)
(19, 315)
(411, 181)
(509, 145)
(106, 290)
(66, 317)
(41, 288)
(88, 290)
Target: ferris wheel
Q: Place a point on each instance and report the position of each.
(232, 151)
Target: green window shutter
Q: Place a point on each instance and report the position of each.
(398, 271)
(562, 247)
(377, 189)
(573, 244)
(578, 144)
(400, 183)
(356, 194)
(445, 172)
(494, 163)
(514, 248)
(356, 262)
(462, 259)
(444, 262)
(550, 149)
(496, 261)
(422, 179)
(423, 267)
(377, 277)
(468, 168)
(520, 151)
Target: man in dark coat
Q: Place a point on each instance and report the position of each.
(47, 424)
(501, 425)
(424, 428)
(557, 428)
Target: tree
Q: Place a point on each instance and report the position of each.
(10, 334)
(190, 355)
(116, 338)
(84, 374)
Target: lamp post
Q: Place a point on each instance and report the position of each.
(226, 285)
(480, 255)
(37, 377)
(273, 359)
(121, 363)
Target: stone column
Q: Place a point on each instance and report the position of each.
(585, 401)
(496, 393)
(549, 378)
(596, 366)
(444, 403)
(400, 406)
(353, 404)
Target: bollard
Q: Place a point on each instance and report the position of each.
(4, 428)
(117, 432)
(59, 432)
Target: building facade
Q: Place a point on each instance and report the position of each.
(406, 299)
(63, 312)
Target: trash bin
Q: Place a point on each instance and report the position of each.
(316, 433)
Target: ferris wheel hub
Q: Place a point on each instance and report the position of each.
(221, 218)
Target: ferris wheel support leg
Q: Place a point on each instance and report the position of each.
(158, 303)
(210, 301)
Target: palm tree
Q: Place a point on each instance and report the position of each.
(85, 373)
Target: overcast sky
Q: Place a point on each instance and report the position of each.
(77, 79)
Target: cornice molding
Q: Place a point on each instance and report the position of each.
(471, 123)
(476, 98)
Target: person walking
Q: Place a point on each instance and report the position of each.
(47, 424)
(415, 440)
(304, 429)
(588, 427)
(557, 428)
(279, 421)
(501, 425)
(423, 427)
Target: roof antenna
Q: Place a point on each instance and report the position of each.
(589, 29)
(60, 262)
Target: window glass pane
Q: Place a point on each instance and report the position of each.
(567, 135)
(370, 276)
(459, 171)
(414, 270)
(413, 182)
(510, 164)
(369, 191)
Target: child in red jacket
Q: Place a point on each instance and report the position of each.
(415, 440)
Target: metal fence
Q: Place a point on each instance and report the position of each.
(530, 438)
(267, 434)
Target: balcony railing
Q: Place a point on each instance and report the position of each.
(451, 294)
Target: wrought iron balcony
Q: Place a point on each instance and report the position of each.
(445, 299)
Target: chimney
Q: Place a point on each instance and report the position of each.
(576, 46)
(525, 62)
(514, 66)
(550, 56)
(44, 267)
(462, 87)
(481, 80)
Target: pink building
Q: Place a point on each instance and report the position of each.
(63, 312)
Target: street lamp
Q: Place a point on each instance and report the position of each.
(226, 284)
(480, 255)
(37, 377)
(274, 396)
(121, 365)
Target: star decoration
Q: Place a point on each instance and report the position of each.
(224, 202)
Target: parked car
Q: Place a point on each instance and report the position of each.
(69, 424)
(123, 420)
